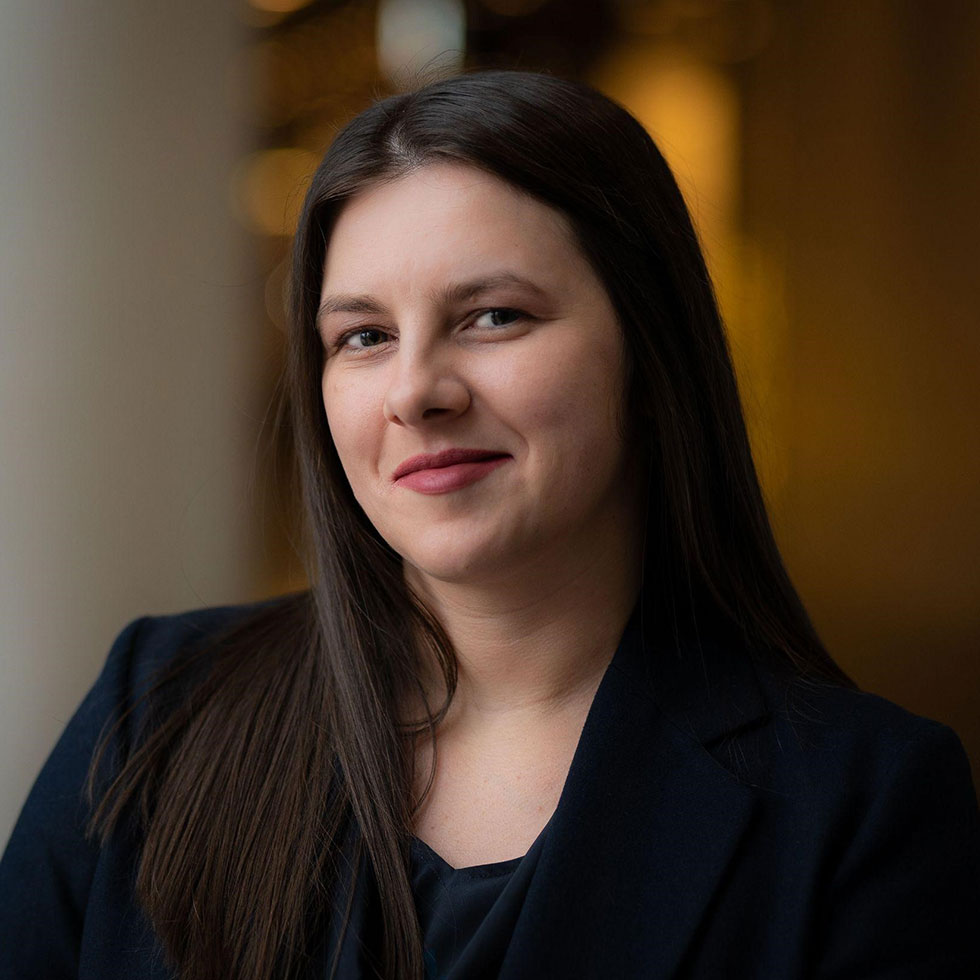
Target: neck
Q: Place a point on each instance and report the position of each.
(535, 639)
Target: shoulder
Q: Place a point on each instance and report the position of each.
(882, 804)
(774, 727)
(862, 775)
(849, 737)
(827, 756)
(51, 862)
(148, 646)
(149, 642)
(873, 808)
(51, 859)
(114, 706)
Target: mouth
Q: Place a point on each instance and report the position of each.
(448, 457)
(452, 469)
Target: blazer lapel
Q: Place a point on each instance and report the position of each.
(648, 820)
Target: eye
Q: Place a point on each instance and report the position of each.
(362, 339)
(499, 317)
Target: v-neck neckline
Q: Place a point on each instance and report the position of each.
(425, 854)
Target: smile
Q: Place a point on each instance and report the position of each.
(447, 471)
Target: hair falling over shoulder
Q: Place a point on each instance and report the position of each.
(272, 748)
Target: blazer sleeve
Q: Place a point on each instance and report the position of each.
(47, 868)
(904, 901)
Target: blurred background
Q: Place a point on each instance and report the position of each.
(153, 158)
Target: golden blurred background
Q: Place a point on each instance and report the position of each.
(830, 154)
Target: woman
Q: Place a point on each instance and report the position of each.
(551, 707)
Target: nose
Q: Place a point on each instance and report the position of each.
(425, 387)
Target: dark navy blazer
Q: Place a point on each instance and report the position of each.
(719, 820)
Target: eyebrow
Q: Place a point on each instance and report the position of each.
(456, 292)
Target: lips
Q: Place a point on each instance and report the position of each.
(448, 457)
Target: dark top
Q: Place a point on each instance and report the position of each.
(719, 819)
(467, 915)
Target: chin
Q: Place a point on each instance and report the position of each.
(458, 568)
(447, 559)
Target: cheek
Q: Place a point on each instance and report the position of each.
(574, 396)
(351, 420)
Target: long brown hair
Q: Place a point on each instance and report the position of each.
(284, 741)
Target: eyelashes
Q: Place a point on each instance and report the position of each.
(366, 332)
(501, 309)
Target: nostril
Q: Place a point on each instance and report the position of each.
(411, 400)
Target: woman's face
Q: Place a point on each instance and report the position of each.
(458, 315)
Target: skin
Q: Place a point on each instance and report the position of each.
(533, 569)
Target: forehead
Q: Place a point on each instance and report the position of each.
(447, 219)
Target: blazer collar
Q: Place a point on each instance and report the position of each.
(647, 821)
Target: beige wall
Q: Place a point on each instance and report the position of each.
(126, 344)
